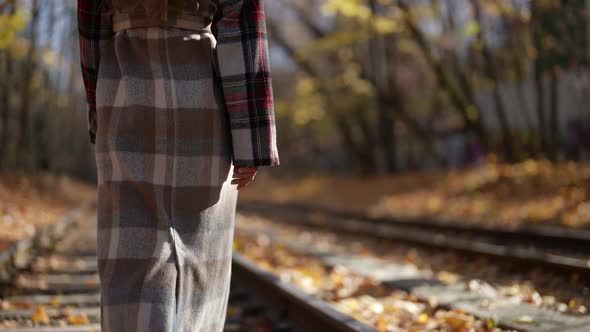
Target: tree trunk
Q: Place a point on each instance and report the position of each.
(491, 72)
(24, 143)
(5, 106)
(368, 139)
(554, 116)
(516, 32)
(381, 79)
(539, 86)
(360, 155)
(468, 111)
(6, 153)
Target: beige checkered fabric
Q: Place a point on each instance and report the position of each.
(166, 205)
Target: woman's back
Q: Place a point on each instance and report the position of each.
(171, 109)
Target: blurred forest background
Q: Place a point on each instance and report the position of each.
(474, 112)
(361, 86)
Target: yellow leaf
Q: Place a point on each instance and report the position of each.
(422, 318)
(471, 29)
(40, 315)
(459, 321)
(80, 319)
(524, 320)
(472, 113)
(49, 57)
(54, 301)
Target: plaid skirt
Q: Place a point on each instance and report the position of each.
(166, 207)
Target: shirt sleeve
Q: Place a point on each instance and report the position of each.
(244, 70)
(92, 28)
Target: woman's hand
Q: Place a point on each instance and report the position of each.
(243, 175)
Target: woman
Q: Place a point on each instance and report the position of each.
(179, 98)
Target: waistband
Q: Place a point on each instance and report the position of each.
(123, 21)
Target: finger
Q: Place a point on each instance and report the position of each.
(243, 176)
(239, 181)
(245, 171)
(241, 173)
(246, 167)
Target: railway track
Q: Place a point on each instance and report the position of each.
(555, 249)
(356, 251)
(59, 292)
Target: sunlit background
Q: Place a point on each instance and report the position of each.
(461, 111)
(361, 87)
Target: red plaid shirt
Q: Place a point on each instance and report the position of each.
(242, 64)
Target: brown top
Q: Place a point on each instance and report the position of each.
(188, 14)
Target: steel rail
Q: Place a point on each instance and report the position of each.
(549, 235)
(309, 313)
(444, 236)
